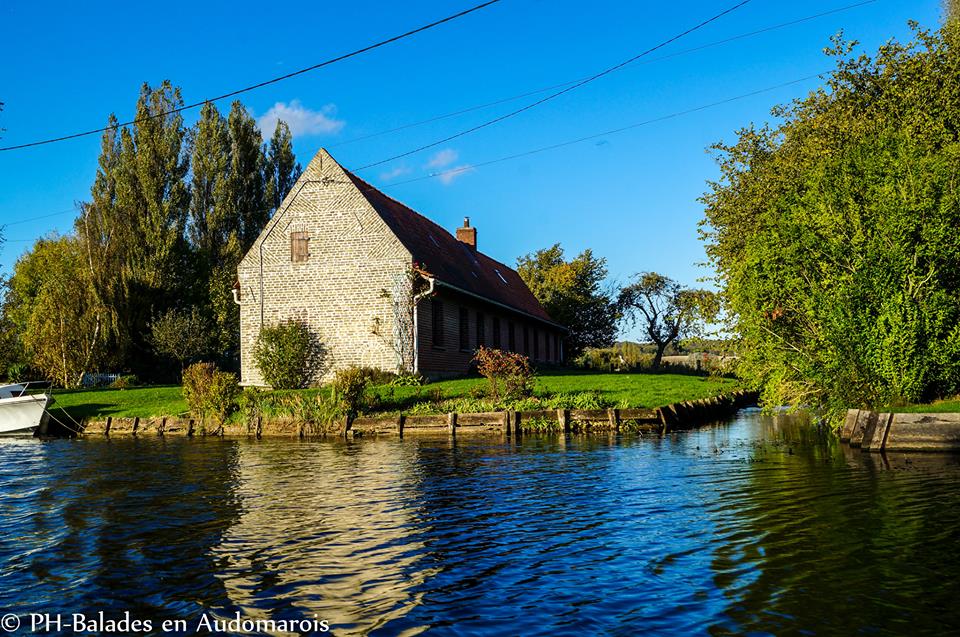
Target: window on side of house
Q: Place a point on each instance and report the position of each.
(464, 329)
(299, 247)
(536, 345)
(526, 340)
(511, 337)
(481, 330)
(437, 322)
(496, 332)
(556, 347)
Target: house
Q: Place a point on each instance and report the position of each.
(382, 286)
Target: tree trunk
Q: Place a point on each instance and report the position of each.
(655, 365)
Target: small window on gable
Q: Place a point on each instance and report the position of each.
(299, 247)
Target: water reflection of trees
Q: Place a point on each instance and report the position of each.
(128, 525)
(836, 541)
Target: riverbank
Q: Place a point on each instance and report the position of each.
(561, 388)
(683, 415)
(590, 401)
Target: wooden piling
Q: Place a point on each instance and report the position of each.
(563, 417)
(452, 423)
(613, 416)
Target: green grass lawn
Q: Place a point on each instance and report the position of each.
(623, 390)
(143, 402)
(938, 407)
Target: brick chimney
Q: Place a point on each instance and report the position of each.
(466, 234)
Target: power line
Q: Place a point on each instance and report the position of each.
(274, 80)
(614, 131)
(662, 118)
(557, 94)
(545, 89)
(548, 88)
(32, 219)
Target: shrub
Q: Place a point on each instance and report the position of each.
(123, 382)
(287, 355)
(407, 379)
(350, 388)
(509, 373)
(210, 394)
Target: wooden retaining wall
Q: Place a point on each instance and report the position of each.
(661, 420)
(876, 432)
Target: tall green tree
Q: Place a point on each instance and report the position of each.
(281, 166)
(572, 293)
(132, 230)
(212, 218)
(247, 192)
(52, 306)
(834, 234)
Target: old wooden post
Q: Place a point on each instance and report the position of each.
(506, 422)
(400, 420)
(106, 430)
(563, 417)
(614, 416)
(452, 422)
(259, 427)
(136, 425)
(190, 428)
(162, 429)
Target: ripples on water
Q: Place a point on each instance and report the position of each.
(755, 526)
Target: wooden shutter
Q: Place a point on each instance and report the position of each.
(299, 247)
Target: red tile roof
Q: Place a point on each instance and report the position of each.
(450, 261)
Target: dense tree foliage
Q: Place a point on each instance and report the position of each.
(572, 293)
(51, 307)
(172, 210)
(835, 237)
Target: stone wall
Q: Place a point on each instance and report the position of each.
(339, 290)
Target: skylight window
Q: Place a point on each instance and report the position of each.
(434, 239)
(500, 275)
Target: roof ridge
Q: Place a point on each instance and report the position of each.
(422, 216)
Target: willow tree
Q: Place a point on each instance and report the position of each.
(54, 309)
(834, 237)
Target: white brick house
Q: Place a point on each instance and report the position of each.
(338, 255)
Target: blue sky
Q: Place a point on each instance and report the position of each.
(631, 196)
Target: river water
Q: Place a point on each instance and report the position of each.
(759, 525)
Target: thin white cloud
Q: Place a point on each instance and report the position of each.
(443, 158)
(399, 171)
(300, 119)
(447, 176)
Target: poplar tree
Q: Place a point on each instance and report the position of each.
(211, 218)
(282, 167)
(246, 188)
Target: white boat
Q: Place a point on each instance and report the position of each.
(22, 413)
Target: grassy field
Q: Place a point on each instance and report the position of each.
(939, 407)
(621, 390)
